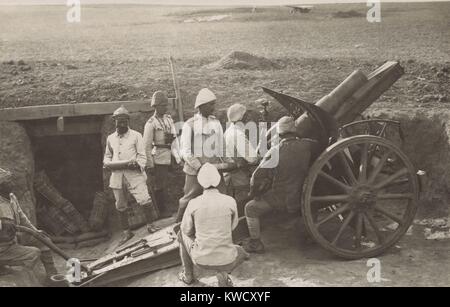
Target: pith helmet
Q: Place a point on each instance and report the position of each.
(159, 98)
(204, 96)
(121, 113)
(236, 112)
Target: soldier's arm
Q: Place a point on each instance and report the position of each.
(148, 141)
(234, 214)
(245, 149)
(187, 223)
(186, 148)
(23, 219)
(175, 148)
(108, 152)
(141, 158)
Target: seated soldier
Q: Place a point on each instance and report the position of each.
(206, 231)
(278, 186)
(12, 251)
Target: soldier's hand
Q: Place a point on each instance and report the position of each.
(43, 233)
(133, 165)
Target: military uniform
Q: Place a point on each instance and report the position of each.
(201, 141)
(277, 182)
(159, 133)
(12, 252)
(128, 147)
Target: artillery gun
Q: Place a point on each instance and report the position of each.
(362, 191)
(359, 198)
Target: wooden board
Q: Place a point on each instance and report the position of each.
(72, 126)
(71, 110)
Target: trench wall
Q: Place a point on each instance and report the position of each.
(426, 142)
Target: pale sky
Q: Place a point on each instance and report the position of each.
(199, 2)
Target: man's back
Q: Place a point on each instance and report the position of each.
(211, 218)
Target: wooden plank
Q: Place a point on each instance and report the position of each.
(71, 110)
(72, 126)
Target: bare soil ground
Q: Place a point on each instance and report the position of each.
(120, 53)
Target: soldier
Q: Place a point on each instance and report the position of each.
(20, 250)
(125, 157)
(159, 133)
(201, 141)
(278, 188)
(238, 147)
(205, 236)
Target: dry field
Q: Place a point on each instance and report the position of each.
(120, 52)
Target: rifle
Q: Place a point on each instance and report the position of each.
(178, 100)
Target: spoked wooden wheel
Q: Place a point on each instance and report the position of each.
(360, 197)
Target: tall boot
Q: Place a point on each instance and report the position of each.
(151, 214)
(49, 264)
(254, 245)
(180, 214)
(161, 203)
(127, 233)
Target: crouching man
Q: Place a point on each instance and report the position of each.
(125, 157)
(206, 231)
(14, 249)
(278, 187)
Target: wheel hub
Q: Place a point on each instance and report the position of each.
(362, 197)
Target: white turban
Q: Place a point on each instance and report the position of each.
(236, 112)
(208, 176)
(286, 124)
(204, 96)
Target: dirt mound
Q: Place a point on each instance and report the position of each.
(243, 60)
(347, 14)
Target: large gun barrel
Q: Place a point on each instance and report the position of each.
(349, 99)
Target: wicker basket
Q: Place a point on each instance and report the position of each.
(5, 176)
(55, 221)
(45, 188)
(136, 216)
(99, 212)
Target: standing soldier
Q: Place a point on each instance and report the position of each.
(239, 148)
(159, 133)
(125, 157)
(201, 141)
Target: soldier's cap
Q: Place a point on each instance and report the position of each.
(236, 112)
(121, 113)
(204, 96)
(159, 98)
(286, 124)
(208, 176)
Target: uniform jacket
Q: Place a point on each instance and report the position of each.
(12, 211)
(201, 141)
(123, 148)
(238, 147)
(157, 149)
(289, 173)
(210, 219)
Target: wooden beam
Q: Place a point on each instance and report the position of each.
(71, 110)
(72, 126)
